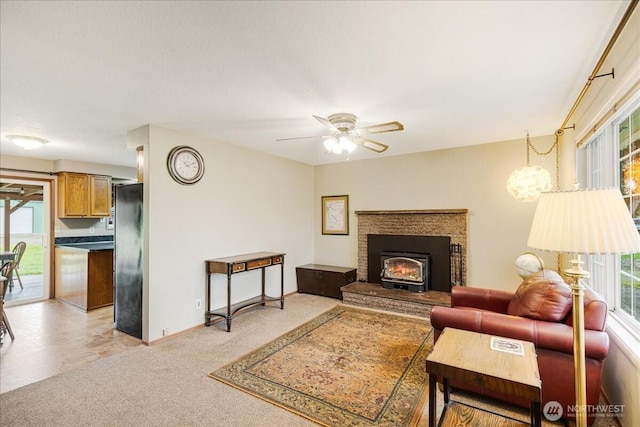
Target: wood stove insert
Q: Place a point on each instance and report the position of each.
(437, 247)
(405, 270)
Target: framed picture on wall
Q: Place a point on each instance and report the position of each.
(335, 215)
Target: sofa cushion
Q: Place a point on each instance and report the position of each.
(542, 296)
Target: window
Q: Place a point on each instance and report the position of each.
(612, 159)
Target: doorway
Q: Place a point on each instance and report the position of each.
(25, 216)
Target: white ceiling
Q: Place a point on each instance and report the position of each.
(455, 73)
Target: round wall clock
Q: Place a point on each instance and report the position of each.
(185, 165)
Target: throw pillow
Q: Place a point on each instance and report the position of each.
(542, 296)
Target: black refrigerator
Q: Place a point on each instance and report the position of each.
(127, 259)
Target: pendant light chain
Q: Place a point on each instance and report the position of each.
(555, 145)
(540, 153)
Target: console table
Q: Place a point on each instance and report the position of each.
(238, 264)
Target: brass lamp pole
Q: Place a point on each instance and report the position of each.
(577, 273)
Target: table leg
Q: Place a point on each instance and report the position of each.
(229, 301)
(282, 285)
(263, 282)
(208, 289)
(536, 414)
(207, 316)
(445, 390)
(432, 400)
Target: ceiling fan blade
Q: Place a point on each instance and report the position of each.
(301, 137)
(372, 145)
(383, 127)
(327, 123)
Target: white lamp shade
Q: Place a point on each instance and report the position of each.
(590, 221)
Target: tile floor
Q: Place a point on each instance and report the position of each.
(51, 338)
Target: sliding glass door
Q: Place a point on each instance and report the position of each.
(25, 216)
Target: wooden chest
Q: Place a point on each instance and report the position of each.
(325, 280)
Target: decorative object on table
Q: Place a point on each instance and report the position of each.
(335, 215)
(345, 137)
(527, 182)
(345, 367)
(527, 264)
(592, 221)
(185, 165)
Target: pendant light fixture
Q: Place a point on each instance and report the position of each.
(526, 183)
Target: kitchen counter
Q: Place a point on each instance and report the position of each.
(84, 272)
(91, 246)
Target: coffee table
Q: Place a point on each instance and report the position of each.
(468, 357)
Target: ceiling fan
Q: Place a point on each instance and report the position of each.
(346, 137)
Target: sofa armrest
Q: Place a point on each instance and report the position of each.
(481, 298)
(548, 335)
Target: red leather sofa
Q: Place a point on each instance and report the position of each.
(541, 312)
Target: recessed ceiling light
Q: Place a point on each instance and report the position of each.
(27, 142)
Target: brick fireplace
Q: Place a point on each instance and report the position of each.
(450, 223)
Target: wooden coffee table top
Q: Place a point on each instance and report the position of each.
(467, 356)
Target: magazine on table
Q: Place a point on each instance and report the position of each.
(507, 345)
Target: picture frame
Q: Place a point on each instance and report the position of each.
(335, 215)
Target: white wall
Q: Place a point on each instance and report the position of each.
(472, 178)
(246, 202)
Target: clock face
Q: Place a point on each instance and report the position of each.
(185, 165)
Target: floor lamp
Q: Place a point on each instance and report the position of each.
(594, 221)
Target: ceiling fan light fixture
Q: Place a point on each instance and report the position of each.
(345, 137)
(27, 142)
(330, 143)
(346, 144)
(339, 144)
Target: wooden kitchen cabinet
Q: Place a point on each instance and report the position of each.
(83, 196)
(99, 195)
(325, 280)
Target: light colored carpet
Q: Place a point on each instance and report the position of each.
(168, 385)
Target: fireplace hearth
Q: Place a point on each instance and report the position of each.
(405, 270)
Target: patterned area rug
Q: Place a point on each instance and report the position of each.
(346, 367)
